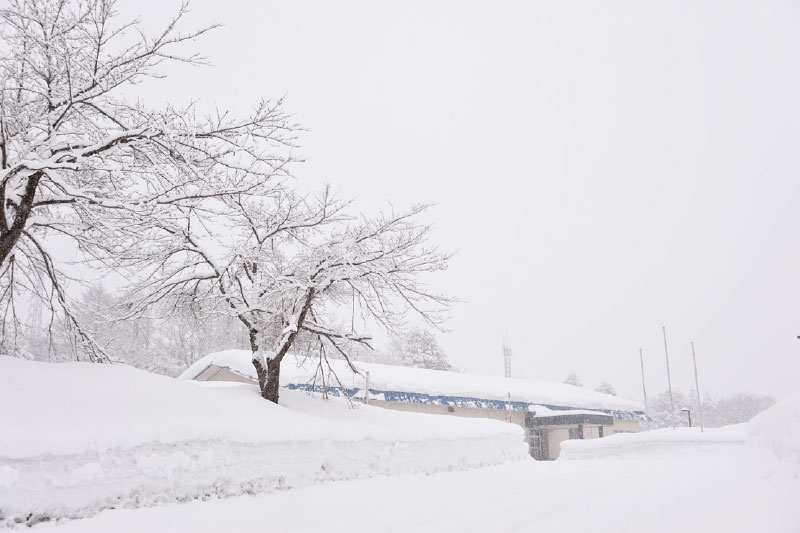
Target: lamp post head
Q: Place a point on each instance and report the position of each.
(688, 413)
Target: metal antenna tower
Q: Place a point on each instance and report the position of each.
(507, 354)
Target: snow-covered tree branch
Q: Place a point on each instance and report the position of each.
(418, 347)
(291, 267)
(78, 161)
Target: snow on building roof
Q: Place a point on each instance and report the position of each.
(417, 385)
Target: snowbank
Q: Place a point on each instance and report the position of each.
(78, 438)
(778, 429)
(648, 441)
(386, 378)
(702, 489)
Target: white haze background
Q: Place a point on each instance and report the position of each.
(601, 168)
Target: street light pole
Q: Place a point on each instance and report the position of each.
(697, 389)
(644, 387)
(669, 377)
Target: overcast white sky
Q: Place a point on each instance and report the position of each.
(602, 168)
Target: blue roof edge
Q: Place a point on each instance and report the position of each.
(460, 401)
(452, 401)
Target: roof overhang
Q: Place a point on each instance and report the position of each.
(452, 401)
(569, 419)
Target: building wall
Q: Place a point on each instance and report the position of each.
(515, 417)
(554, 436)
(592, 432)
(626, 426)
(215, 373)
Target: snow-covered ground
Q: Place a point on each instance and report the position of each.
(691, 487)
(623, 444)
(77, 438)
(136, 452)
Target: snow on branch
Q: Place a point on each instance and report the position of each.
(129, 185)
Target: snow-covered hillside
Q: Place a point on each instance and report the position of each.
(79, 437)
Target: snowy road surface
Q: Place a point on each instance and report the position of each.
(698, 488)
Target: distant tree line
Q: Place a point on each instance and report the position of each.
(717, 411)
(167, 341)
(605, 387)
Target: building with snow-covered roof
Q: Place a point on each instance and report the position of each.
(549, 412)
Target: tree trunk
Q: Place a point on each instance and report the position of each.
(271, 389)
(269, 379)
(9, 236)
(261, 372)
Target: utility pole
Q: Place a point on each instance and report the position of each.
(697, 388)
(669, 377)
(644, 387)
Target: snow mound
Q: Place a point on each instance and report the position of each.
(778, 429)
(78, 438)
(388, 378)
(648, 441)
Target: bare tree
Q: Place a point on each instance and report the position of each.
(418, 347)
(191, 210)
(606, 388)
(299, 274)
(164, 341)
(80, 163)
